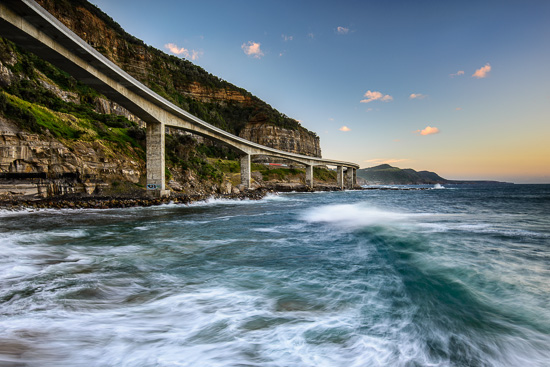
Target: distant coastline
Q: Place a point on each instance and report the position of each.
(385, 174)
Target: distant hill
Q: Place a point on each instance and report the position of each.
(385, 174)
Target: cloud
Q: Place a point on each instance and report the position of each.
(344, 128)
(458, 108)
(428, 130)
(287, 38)
(417, 96)
(376, 96)
(193, 54)
(482, 71)
(385, 160)
(458, 73)
(252, 49)
(175, 49)
(196, 54)
(342, 30)
(311, 35)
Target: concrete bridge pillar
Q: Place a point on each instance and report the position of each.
(245, 170)
(351, 178)
(155, 160)
(340, 176)
(309, 176)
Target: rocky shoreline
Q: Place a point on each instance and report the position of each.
(90, 201)
(86, 201)
(83, 201)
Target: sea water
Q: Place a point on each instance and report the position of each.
(455, 276)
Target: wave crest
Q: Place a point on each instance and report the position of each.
(353, 216)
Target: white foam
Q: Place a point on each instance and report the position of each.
(480, 228)
(354, 216)
(74, 233)
(276, 197)
(214, 242)
(266, 230)
(219, 201)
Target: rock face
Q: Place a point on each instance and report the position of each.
(43, 166)
(209, 95)
(294, 141)
(106, 106)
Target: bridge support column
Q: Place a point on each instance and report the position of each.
(309, 176)
(351, 178)
(340, 176)
(155, 161)
(245, 171)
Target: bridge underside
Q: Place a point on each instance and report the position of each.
(30, 26)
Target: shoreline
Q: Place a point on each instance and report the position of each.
(83, 201)
(139, 199)
(90, 201)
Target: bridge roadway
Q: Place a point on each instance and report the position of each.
(29, 25)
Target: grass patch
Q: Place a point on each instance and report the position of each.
(227, 166)
(323, 174)
(279, 174)
(39, 119)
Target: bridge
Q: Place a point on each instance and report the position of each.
(29, 25)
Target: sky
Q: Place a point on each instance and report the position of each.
(461, 88)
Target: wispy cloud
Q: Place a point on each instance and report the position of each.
(342, 30)
(311, 35)
(386, 160)
(428, 130)
(344, 128)
(417, 96)
(458, 108)
(458, 73)
(287, 38)
(376, 96)
(252, 49)
(175, 49)
(482, 71)
(192, 55)
(196, 54)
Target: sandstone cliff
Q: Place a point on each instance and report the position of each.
(38, 165)
(294, 141)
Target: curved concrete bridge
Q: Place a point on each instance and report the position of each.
(32, 27)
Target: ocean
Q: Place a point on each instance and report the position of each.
(451, 276)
